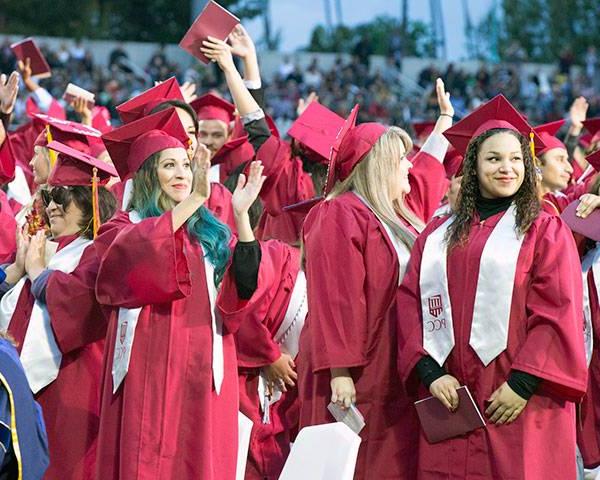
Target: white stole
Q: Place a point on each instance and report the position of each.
(590, 261)
(128, 319)
(40, 354)
(287, 337)
(402, 251)
(493, 297)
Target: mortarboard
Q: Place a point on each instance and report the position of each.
(77, 168)
(146, 101)
(316, 129)
(452, 162)
(594, 160)
(211, 107)
(592, 125)
(27, 48)
(496, 113)
(131, 144)
(547, 133)
(423, 129)
(214, 21)
(589, 227)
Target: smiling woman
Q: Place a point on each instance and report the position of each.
(503, 278)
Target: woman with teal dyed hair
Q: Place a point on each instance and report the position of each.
(169, 406)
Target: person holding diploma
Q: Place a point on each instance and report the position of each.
(493, 300)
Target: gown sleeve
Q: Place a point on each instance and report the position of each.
(554, 347)
(335, 275)
(428, 185)
(145, 264)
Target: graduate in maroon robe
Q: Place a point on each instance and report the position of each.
(523, 359)
(63, 288)
(357, 244)
(169, 405)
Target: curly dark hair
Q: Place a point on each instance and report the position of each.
(526, 198)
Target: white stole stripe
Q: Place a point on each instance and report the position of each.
(438, 329)
(402, 251)
(591, 261)
(40, 354)
(288, 337)
(128, 319)
(495, 284)
(493, 297)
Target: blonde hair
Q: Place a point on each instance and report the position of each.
(371, 179)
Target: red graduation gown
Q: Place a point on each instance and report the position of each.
(588, 431)
(165, 420)
(8, 230)
(70, 404)
(269, 443)
(545, 339)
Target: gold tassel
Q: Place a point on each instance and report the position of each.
(95, 207)
(51, 153)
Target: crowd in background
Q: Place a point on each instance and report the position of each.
(385, 95)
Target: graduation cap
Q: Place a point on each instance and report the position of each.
(317, 129)
(146, 101)
(423, 129)
(74, 134)
(77, 168)
(131, 144)
(594, 160)
(27, 48)
(211, 107)
(214, 21)
(589, 227)
(234, 153)
(497, 113)
(547, 133)
(592, 125)
(452, 162)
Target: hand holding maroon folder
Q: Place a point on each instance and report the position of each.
(214, 21)
(440, 424)
(588, 227)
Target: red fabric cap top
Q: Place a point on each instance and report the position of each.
(547, 133)
(143, 103)
(75, 135)
(317, 129)
(131, 144)
(497, 113)
(355, 146)
(592, 125)
(77, 168)
(594, 160)
(423, 129)
(234, 153)
(213, 21)
(452, 162)
(211, 107)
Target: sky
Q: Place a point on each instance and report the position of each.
(297, 18)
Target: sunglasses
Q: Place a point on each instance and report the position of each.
(59, 195)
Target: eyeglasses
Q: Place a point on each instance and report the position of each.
(59, 195)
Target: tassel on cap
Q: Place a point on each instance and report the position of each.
(52, 153)
(95, 203)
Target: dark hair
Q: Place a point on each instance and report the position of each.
(317, 171)
(178, 104)
(81, 196)
(526, 198)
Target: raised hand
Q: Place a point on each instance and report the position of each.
(303, 103)
(35, 258)
(578, 113)
(443, 98)
(247, 190)
(81, 107)
(505, 405)
(241, 43)
(201, 166)
(188, 89)
(9, 88)
(220, 52)
(25, 69)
